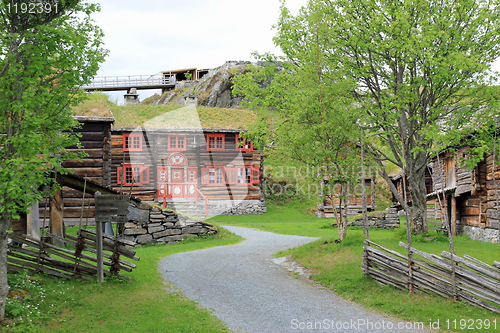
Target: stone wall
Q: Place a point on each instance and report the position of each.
(153, 225)
(247, 208)
(487, 235)
(387, 219)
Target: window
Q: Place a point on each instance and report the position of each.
(177, 142)
(243, 144)
(135, 174)
(213, 175)
(238, 175)
(215, 141)
(132, 142)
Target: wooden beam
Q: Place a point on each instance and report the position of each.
(56, 216)
(78, 183)
(454, 216)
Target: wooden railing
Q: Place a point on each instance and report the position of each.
(205, 198)
(133, 81)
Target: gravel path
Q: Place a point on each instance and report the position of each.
(250, 292)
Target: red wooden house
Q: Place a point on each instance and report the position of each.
(177, 159)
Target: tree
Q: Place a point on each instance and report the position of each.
(421, 67)
(44, 57)
(316, 124)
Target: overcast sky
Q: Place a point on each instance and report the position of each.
(150, 36)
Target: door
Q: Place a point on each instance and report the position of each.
(177, 179)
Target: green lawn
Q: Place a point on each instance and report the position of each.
(140, 304)
(337, 266)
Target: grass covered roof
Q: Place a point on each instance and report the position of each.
(166, 116)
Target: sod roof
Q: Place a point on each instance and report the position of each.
(93, 108)
(185, 117)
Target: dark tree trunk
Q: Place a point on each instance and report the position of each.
(4, 283)
(416, 182)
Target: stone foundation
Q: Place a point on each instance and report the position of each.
(153, 225)
(486, 235)
(387, 219)
(248, 207)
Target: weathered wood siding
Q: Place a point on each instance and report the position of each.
(96, 142)
(474, 192)
(155, 153)
(146, 157)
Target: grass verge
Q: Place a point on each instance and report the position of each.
(140, 304)
(338, 266)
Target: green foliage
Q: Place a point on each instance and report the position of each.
(188, 75)
(396, 68)
(316, 125)
(43, 59)
(86, 306)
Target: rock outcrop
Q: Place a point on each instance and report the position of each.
(212, 90)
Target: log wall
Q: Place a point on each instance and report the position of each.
(96, 142)
(155, 153)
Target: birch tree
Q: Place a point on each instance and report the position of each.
(316, 125)
(421, 67)
(47, 50)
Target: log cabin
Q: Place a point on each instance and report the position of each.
(96, 119)
(193, 159)
(467, 196)
(183, 158)
(354, 198)
(470, 199)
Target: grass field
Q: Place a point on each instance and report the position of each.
(140, 304)
(338, 266)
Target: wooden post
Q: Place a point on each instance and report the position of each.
(56, 216)
(454, 216)
(98, 241)
(100, 274)
(33, 222)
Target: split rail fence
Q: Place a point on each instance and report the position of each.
(476, 282)
(41, 256)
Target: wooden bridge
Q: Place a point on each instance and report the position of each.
(112, 83)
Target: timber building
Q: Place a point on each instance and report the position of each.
(192, 159)
(467, 196)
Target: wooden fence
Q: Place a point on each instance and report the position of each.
(40, 256)
(476, 282)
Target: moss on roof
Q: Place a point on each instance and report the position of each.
(175, 116)
(96, 106)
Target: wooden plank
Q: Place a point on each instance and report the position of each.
(99, 248)
(91, 152)
(93, 127)
(85, 162)
(122, 249)
(67, 254)
(490, 273)
(88, 144)
(56, 213)
(56, 264)
(91, 136)
(394, 253)
(73, 242)
(89, 172)
(113, 238)
(38, 268)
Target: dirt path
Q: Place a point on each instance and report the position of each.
(248, 291)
